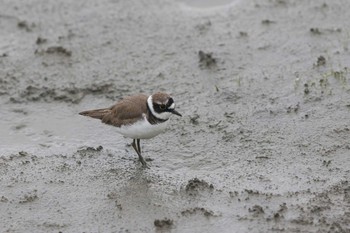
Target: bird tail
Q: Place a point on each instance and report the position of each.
(97, 113)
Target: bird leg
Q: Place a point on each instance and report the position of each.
(137, 148)
(138, 145)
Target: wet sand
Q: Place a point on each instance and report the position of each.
(263, 144)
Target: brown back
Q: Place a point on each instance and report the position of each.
(126, 111)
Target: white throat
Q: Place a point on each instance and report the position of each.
(163, 115)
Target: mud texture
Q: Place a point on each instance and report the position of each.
(263, 144)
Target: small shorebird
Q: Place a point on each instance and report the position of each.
(138, 117)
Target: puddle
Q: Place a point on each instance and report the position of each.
(46, 129)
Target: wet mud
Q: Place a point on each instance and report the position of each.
(263, 144)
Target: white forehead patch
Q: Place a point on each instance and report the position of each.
(172, 106)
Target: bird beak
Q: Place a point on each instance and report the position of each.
(176, 112)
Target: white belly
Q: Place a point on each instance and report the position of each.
(142, 130)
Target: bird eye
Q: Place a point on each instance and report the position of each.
(162, 106)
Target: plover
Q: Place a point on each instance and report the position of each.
(138, 117)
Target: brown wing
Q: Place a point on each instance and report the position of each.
(97, 113)
(126, 111)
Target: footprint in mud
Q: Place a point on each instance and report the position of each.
(198, 210)
(26, 26)
(194, 186)
(256, 210)
(89, 151)
(163, 224)
(29, 197)
(206, 60)
(58, 50)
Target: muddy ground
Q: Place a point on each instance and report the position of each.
(263, 144)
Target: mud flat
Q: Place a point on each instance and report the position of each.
(263, 144)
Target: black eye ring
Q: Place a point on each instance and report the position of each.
(162, 106)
